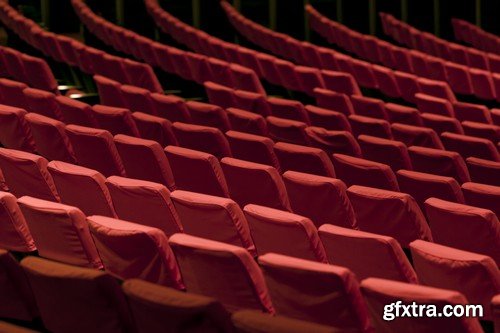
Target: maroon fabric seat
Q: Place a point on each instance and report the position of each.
(370, 126)
(416, 136)
(15, 132)
(332, 142)
(287, 109)
(155, 262)
(76, 112)
(202, 138)
(322, 199)
(26, 174)
(481, 130)
(208, 115)
(42, 102)
(60, 232)
(369, 107)
(230, 273)
(197, 171)
(215, 218)
(439, 162)
(391, 152)
(442, 124)
(253, 183)
(328, 289)
(335, 101)
(138, 99)
(171, 107)
(18, 300)
(453, 224)
(155, 128)
(472, 112)
(12, 94)
(379, 292)
(269, 226)
(14, 235)
(115, 120)
(422, 186)
(387, 259)
(155, 307)
(95, 149)
(65, 294)
(328, 119)
(469, 146)
(253, 102)
(50, 138)
(358, 171)
(219, 95)
(448, 268)
(434, 105)
(389, 213)
(253, 148)
(247, 122)
(157, 209)
(484, 171)
(286, 130)
(109, 92)
(304, 159)
(481, 195)
(144, 159)
(92, 196)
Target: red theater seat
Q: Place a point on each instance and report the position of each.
(115, 120)
(253, 148)
(328, 119)
(109, 92)
(288, 109)
(247, 122)
(208, 115)
(286, 130)
(230, 273)
(328, 289)
(60, 232)
(470, 146)
(304, 159)
(138, 99)
(15, 133)
(370, 126)
(416, 136)
(12, 94)
(484, 196)
(171, 107)
(14, 232)
(484, 171)
(76, 112)
(391, 152)
(387, 259)
(442, 124)
(215, 218)
(276, 231)
(202, 138)
(332, 142)
(155, 128)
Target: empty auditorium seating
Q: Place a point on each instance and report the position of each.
(81, 187)
(416, 136)
(60, 232)
(155, 308)
(12, 94)
(469, 146)
(116, 239)
(285, 130)
(453, 225)
(253, 183)
(215, 218)
(247, 122)
(156, 208)
(341, 142)
(15, 233)
(481, 195)
(328, 119)
(109, 92)
(202, 138)
(387, 259)
(95, 149)
(328, 289)
(484, 171)
(42, 102)
(77, 299)
(208, 115)
(287, 109)
(26, 174)
(230, 273)
(253, 148)
(171, 107)
(390, 152)
(321, 199)
(370, 126)
(115, 120)
(144, 159)
(15, 132)
(304, 159)
(358, 171)
(76, 112)
(137, 99)
(155, 128)
(269, 227)
(474, 275)
(379, 292)
(197, 171)
(442, 124)
(481, 130)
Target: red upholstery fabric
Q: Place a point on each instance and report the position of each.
(230, 273)
(81, 187)
(313, 291)
(480, 130)
(370, 126)
(435, 105)
(155, 128)
(26, 174)
(286, 130)
(171, 107)
(484, 196)
(369, 107)
(138, 99)
(357, 171)
(475, 276)
(332, 142)
(470, 146)
(333, 101)
(269, 226)
(76, 112)
(116, 241)
(390, 152)
(380, 292)
(42, 102)
(328, 119)
(215, 218)
(66, 294)
(416, 136)
(453, 225)
(18, 300)
(50, 138)
(304, 159)
(202, 138)
(15, 132)
(197, 171)
(439, 162)
(144, 159)
(253, 148)
(115, 120)
(208, 115)
(442, 124)
(12, 93)
(156, 208)
(156, 308)
(288, 109)
(351, 248)
(247, 122)
(403, 114)
(95, 149)
(15, 235)
(60, 232)
(109, 92)
(255, 183)
(484, 171)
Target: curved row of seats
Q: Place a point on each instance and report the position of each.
(426, 42)
(113, 239)
(463, 78)
(475, 36)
